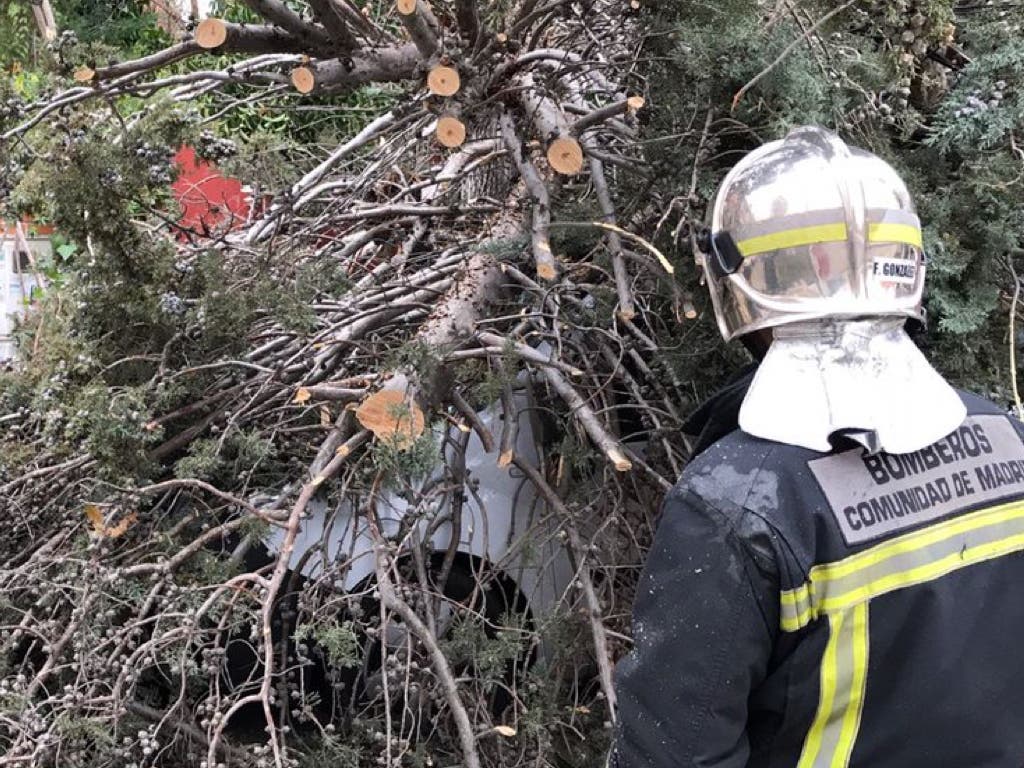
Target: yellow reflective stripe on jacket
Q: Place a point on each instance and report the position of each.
(829, 743)
(910, 559)
(858, 685)
(796, 607)
(841, 592)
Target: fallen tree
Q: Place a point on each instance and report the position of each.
(436, 290)
(369, 478)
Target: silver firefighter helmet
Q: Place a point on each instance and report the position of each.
(819, 241)
(808, 228)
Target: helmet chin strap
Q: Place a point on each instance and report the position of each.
(757, 343)
(844, 332)
(866, 438)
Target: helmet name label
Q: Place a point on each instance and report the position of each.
(902, 271)
(871, 496)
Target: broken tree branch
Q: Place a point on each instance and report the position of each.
(609, 446)
(386, 65)
(541, 242)
(332, 18)
(564, 153)
(280, 14)
(419, 22)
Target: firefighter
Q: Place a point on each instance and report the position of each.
(838, 577)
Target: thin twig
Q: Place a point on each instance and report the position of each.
(788, 50)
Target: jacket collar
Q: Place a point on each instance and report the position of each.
(719, 414)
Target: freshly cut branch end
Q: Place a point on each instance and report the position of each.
(635, 103)
(619, 460)
(303, 79)
(84, 75)
(392, 416)
(406, 7)
(505, 458)
(211, 33)
(546, 271)
(565, 155)
(444, 81)
(451, 131)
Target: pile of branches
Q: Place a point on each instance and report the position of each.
(155, 612)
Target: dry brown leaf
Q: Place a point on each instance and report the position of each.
(94, 515)
(116, 531)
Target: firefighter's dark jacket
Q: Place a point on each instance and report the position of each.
(805, 610)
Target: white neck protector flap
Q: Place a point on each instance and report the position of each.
(865, 376)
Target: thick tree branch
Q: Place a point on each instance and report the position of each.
(452, 321)
(371, 65)
(330, 15)
(420, 23)
(241, 38)
(43, 14)
(469, 21)
(564, 152)
(280, 14)
(601, 114)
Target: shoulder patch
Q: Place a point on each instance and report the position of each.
(871, 496)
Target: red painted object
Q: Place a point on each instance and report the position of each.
(211, 204)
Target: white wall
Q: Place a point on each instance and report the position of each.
(15, 288)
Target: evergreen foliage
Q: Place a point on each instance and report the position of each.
(948, 127)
